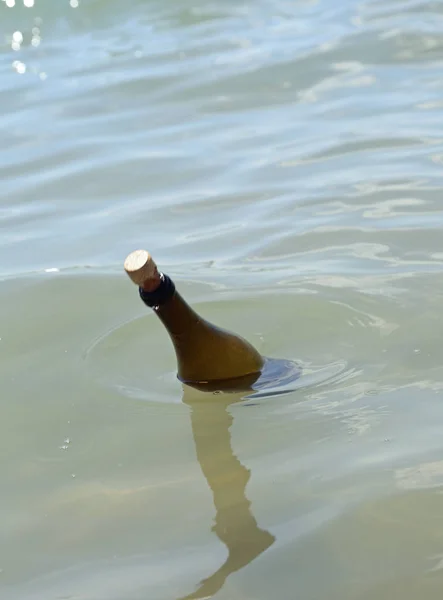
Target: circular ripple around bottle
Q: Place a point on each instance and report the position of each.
(134, 360)
(120, 360)
(280, 376)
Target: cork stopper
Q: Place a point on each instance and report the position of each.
(142, 270)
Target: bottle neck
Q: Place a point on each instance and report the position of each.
(160, 295)
(174, 312)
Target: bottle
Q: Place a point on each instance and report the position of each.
(208, 357)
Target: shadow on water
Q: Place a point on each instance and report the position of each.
(235, 524)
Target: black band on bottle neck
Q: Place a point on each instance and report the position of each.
(159, 296)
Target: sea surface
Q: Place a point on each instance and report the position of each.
(283, 163)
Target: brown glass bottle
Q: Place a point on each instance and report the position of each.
(206, 354)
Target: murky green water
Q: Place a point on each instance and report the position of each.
(283, 163)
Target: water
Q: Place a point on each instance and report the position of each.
(283, 163)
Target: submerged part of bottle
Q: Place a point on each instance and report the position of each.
(206, 354)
